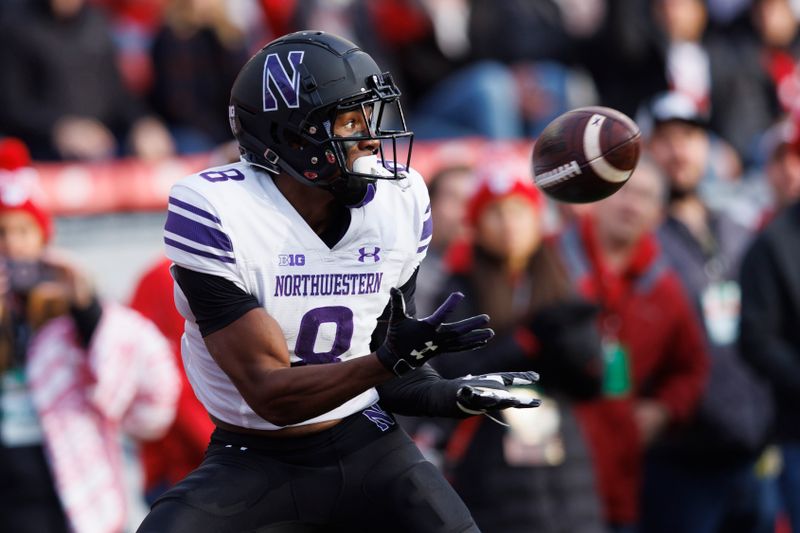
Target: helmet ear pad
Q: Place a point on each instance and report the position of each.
(310, 157)
(301, 152)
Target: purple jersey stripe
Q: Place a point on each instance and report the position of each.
(427, 229)
(197, 232)
(422, 249)
(196, 210)
(428, 209)
(195, 251)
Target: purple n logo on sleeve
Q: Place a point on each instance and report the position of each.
(379, 417)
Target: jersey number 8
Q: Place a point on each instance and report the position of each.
(307, 335)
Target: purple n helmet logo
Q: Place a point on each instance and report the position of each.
(288, 86)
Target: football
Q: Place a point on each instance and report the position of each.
(586, 154)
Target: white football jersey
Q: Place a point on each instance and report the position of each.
(233, 222)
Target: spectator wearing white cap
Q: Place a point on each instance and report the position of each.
(681, 137)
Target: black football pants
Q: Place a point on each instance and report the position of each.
(353, 477)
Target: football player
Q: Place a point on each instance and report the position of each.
(295, 271)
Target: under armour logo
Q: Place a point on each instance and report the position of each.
(364, 254)
(429, 347)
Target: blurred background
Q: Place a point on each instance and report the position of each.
(115, 100)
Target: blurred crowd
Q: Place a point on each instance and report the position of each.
(95, 79)
(664, 320)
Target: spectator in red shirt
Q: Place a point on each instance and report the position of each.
(654, 355)
(167, 460)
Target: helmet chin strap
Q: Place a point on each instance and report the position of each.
(369, 195)
(349, 191)
(356, 191)
(369, 164)
(352, 191)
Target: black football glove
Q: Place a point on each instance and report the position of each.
(410, 342)
(489, 392)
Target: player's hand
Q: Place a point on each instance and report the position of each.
(490, 392)
(411, 342)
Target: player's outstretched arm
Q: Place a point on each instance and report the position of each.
(252, 352)
(425, 393)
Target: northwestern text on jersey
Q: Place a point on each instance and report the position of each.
(327, 284)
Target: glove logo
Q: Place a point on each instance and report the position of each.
(429, 347)
(410, 342)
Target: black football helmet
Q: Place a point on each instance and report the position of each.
(284, 102)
